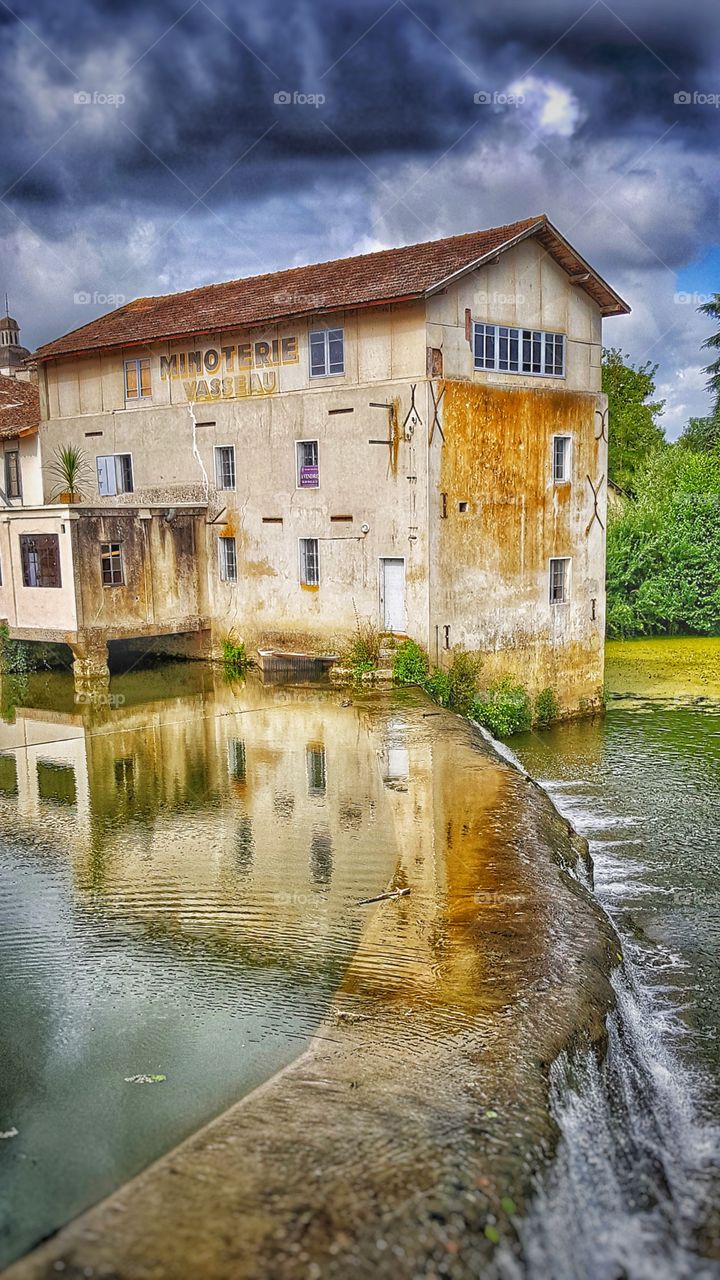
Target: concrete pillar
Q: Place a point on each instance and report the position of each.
(90, 666)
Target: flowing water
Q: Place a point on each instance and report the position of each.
(635, 1188)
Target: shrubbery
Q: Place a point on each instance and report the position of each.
(362, 652)
(504, 709)
(547, 707)
(410, 664)
(235, 659)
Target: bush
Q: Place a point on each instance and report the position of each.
(410, 664)
(504, 709)
(235, 659)
(437, 686)
(463, 680)
(547, 707)
(362, 652)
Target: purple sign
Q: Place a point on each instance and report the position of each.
(309, 477)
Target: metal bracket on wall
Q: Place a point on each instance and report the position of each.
(412, 416)
(217, 517)
(381, 404)
(602, 414)
(596, 514)
(436, 415)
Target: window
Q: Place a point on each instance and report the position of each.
(12, 474)
(237, 763)
(114, 474)
(225, 466)
(111, 564)
(137, 380)
(307, 458)
(509, 350)
(561, 458)
(227, 558)
(309, 562)
(559, 581)
(327, 355)
(40, 554)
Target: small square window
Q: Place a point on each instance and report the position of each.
(561, 458)
(227, 559)
(463, 507)
(307, 460)
(111, 564)
(309, 562)
(225, 466)
(137, 380)
(327, 352)
(560, 580)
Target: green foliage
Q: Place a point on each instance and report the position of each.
(235, 659)
(21, 657)
(702, 435)
(71, 470)
(410, 664)
(505, 708)
(463, 680)
(437, 686)
(663, 558)
(547, 707)
(632, 430)
(712, 309)
(362, 652)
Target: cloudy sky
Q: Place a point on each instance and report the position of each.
(150, 148)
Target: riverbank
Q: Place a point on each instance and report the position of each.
(404, 1140)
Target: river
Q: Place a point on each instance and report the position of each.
(635, 1187)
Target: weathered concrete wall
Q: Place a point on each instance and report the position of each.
(490, 563)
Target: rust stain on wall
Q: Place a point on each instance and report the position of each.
(497, 456)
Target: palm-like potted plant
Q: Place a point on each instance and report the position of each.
(70, 467)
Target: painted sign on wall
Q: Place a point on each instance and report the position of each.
(230, 372)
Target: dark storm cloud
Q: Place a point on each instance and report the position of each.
(182, 168)
(201, 91)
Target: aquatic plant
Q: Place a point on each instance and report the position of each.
(547, 707)
(410, 664)
(235, 659)
(504, 709)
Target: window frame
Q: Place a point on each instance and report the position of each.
(326, 371)
(218, 449)
(13, 453)
(534, 341)
(26, 551)
(567, 561)
(566, 477)
(223, 572)
(305, 581)
(108, 555)
(103, 457)
(137, 362)
(298, 468)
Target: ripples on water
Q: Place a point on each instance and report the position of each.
(177, 897)
(635, 1189)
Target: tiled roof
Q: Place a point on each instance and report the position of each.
(19, 407)
(390, 275)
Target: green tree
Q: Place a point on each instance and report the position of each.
(702, 435)
(663, 565)
(633, 432)
(712, 309)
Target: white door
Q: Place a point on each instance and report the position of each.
(392, 594)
